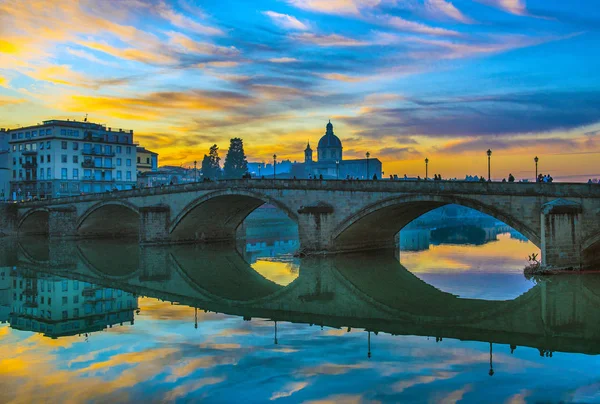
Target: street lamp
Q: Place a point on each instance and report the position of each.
(489, 154)
(337, 169)
(536, 159)
(274, 166)
(195, 171)
(426, 168)
(491, 372)
(368, 155)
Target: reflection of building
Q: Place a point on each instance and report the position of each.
(330, 163)
(58, 307)
(146, 160)
(414, 240)
(62, 158)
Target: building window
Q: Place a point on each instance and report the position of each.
(14, 174)
(76, 299)
(75, 173)
(75, 146)
(49, 173)
(48, 132)
(128, 150)
(41, 145)
(75, 287)
(128, 162)
(138, 160)
(14, 161)
(63, 132)
(20, 147)
(119, 149)
(48, 144)
(128, 175)
(14, 147)
(63, 158)
(75, 159)
(119, 162)
(87, 173)
(63, 173)
(41, 173)
(65, 315)
(107, 162)
(107, 149)
(65, 300)
(48, 158)
(65, 285)
(119, 176)
(63, 145)
(147, 160)
(34, 133)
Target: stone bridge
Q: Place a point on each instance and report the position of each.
(332, 216)
(373, 292)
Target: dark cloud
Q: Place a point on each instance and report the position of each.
(505, 114)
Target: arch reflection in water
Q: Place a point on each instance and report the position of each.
(369, 292)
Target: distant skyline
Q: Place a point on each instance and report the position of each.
(402, 79)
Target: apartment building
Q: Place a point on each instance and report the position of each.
(64, 158)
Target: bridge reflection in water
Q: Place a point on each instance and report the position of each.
(371, 292)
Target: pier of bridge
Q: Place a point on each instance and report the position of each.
(333, 216)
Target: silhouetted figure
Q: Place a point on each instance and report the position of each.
(511, 178)
(320, 177)
(418, 178)
(374, 177)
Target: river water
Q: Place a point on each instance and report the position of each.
(107, 321)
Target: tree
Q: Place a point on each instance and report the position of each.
(211, 164)
(236, 164)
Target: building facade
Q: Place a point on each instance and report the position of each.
(64, 158)
(331, 164)
(146, 160)
(5, 168)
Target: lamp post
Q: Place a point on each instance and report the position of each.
(337, 169)
(426, 168)
(489, 154)
(195, 171)
(274, 166)
(368, 155)
(536, 159)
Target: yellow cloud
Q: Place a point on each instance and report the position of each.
(7, 47)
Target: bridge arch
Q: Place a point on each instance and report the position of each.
(389, 216)
(34, 222)
(217, 215)
(109, 219)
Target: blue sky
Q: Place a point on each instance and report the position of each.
(403, 79)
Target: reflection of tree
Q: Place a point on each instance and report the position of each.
(459, 235)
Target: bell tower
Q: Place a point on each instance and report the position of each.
(308, 154)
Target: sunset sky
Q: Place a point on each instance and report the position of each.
(402, 79)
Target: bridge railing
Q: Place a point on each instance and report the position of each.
(555, 189)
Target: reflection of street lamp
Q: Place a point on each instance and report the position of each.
(368, 155)
(426, 168)
(274, 166)
(489, 154)
(491, 372)
(195, 171)
(337, 169)
(275, 340)
(369, 345)
(536, 159)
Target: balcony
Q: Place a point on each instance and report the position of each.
(91, 152)
(91, 164)
(30, 153)
(29, 165)
(93, 179)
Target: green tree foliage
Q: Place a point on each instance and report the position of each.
(236, 164)
(211, 164)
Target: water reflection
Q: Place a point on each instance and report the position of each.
(198, 338)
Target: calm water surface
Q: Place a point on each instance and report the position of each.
(105, 321)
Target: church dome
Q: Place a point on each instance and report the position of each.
(330, 140)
